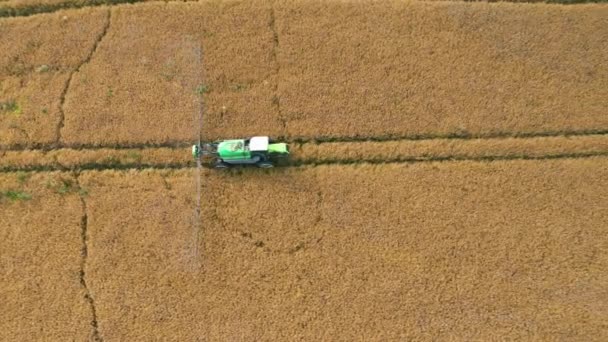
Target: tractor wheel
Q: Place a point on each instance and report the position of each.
(265, 165)
(221, 165)
(196, 152)
(281, 161)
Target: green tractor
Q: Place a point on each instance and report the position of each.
(256, 151)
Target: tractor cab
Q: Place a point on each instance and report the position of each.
(242, 148)
(234, 149)
(259, 150)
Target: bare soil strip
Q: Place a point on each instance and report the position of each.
(320, 153)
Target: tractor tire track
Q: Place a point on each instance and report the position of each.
(306, 163)
(318, 140)
(319, 153)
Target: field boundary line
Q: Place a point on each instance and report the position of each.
(68, 83)
(84, 234)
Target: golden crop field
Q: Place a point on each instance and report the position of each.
(446, 178)
(406, 251)
(471, 77)
(238, 72)
(40, 259)
(441, 68)
(38, 56)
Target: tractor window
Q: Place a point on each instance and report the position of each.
(237, 146)
(234, 149)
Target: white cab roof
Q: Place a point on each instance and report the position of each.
(258, 144)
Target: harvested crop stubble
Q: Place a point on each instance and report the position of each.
(441, 68)
(40, 259)
(148, 94)
(38, 55)
(465, 250)
(379, 151)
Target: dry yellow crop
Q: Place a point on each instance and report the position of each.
(41, 259)
(404, 243)
(95, 158)
(440, 68)
(387, 252)
(148, 94)
(296, 69)
(38, 56)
